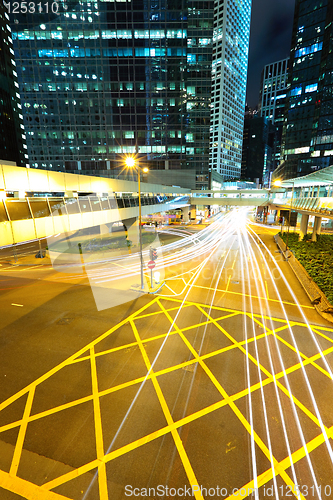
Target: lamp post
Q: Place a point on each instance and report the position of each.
(291, 207)
(131, 163)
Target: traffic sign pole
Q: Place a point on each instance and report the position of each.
(151, 264)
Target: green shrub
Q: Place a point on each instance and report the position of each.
(316, 258)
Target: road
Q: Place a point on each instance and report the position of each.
(219, 384)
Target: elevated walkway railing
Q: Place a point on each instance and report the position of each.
(235, 200)
(28, 219)
(320, 206)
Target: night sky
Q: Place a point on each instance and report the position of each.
(271, 28)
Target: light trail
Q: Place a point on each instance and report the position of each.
(297, 420)
(253, 445)
(225, 254)
(254, 265)
(174, 254)
(300, 310)
(300, 359)
(244, 260)
(131, 406)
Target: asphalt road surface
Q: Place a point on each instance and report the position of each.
(217, 385)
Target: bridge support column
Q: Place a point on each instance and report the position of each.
(304, 226)
(186, 214)
(132, 228)
(316, 228)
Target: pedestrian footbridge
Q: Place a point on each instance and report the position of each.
(35, 204)
(232, 197)
(310, 195)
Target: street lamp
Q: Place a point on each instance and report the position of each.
(291, 207)
(278, 183)
(130, 162)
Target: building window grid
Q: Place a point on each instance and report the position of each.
(86, 65)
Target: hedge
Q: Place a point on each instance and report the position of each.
(315, 257)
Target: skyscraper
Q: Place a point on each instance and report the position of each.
(273, 90)
(102, 79)
(257, 152)
(229, 74)
(272, 101)
(307, 142)
(12, 137)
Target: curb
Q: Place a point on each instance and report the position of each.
(157, 289)
(317, 298)
(25, 264)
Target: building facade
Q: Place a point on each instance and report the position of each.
(272, 101)
(12, 137)
(273, 90)
(229, 75)
(307, 142)
(101, 79)
(258, 147)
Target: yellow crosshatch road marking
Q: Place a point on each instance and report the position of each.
(252, 296)
(21, 435)
(180, 447)
(102, 479)
(232, 405)
(167, 305)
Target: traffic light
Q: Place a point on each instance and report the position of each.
(153, 254)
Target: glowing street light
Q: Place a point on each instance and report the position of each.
(131, 162)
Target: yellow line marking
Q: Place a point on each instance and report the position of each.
(241, 312)
(312, 362)
(77, 402)
(232, 405)
(268, 374)
(171, 290)
(281, 387)
(188, 419)
(102, 479)
(296, 456)
(48, 374)
(159, 312)
(308, 360)
(321, 334)
(26, 489)
(150, 339)
(155, 435)
(22, 432)
(178, 442)
(252, 296)
(103, 353)
(228, 283)
(17, 305)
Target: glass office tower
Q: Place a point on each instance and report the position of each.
(272, 102)
(12, 136)
(229, 74)
(307, 141)
(102, 79)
